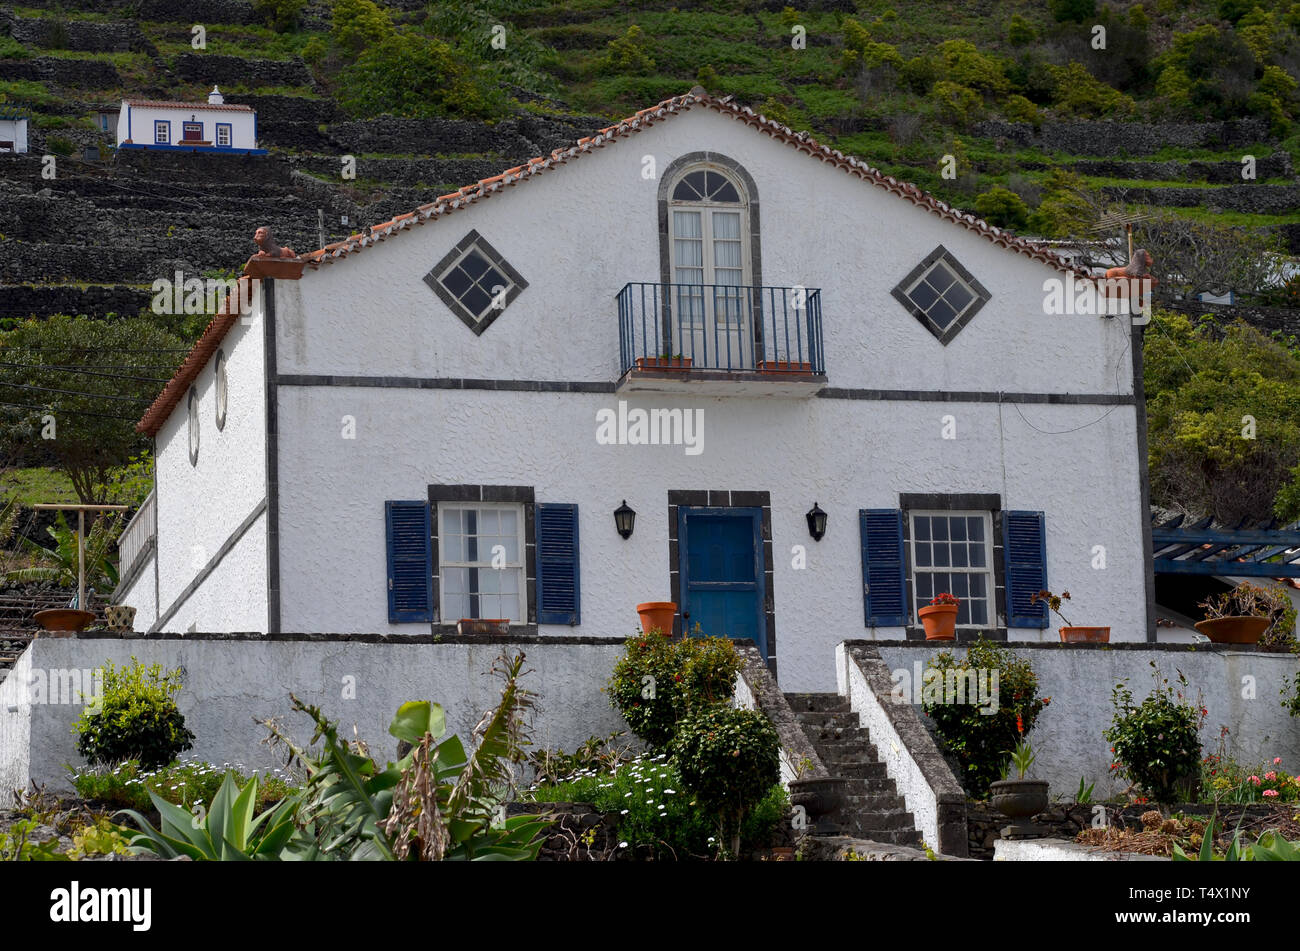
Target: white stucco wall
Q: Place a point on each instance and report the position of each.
(228, 683)
(135, 124)
(845, 455)
(1067, 738)
(140, 594)
(15, 131)
(201, 506)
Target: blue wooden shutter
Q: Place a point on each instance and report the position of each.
(1024, 539)
(558, 600)
(883, 579)
(410, 562)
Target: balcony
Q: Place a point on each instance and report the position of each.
(136, 542)
(720, 339)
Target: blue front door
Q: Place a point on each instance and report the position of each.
(721, 551)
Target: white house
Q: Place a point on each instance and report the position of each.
(13, 130)
(212, 126)
(438, 419)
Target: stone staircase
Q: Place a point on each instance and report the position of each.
(872, 808)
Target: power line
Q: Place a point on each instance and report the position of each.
(74, 412)
(5, 346)
(92, 396)
(110, 376)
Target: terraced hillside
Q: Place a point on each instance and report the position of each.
(92, 239)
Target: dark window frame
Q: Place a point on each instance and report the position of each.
(944, 335)
(489, 494)
(193, 425)
(990, 502)
(474, 241)
(220, 388)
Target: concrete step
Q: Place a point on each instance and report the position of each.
(856, 750)
(873, 774)
(827, 719)
(872, 803)
(881, 819)
(817, 702)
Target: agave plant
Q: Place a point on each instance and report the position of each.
(1269, 847)
(228, 831)
(60, 564)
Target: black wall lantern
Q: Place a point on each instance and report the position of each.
(816, 522)
(625, 519)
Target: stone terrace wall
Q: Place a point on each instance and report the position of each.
(1127, 138)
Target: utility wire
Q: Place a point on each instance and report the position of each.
(110, 376)
(74, 412)
(92, 396)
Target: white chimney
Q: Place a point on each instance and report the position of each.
(215, 98)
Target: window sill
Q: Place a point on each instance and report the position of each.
(445, 630)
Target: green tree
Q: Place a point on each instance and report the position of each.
(1065, 208)
(1002, 207)
(1020, 31)
(65, 397)
(1223, 413)
(415, 77)
(628, 55)
(1072, 11)
(960, 62)
(356, 24)
(1079, 93)
(279, 15)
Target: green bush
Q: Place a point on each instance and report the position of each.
(1002, 207)
(627, 55)
(357, 24)
(659, 680)
(957, 104)
(1072, 11)
(135, 718)
(313, 51)
(1157, 743)
(728, 759)
(415, 77)
(1079, 93)
(1020, 31)
(279, 15)
(1019, 109)
(127, 785)
(981, 742)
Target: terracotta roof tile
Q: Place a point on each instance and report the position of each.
(161, 104)
(485, 188)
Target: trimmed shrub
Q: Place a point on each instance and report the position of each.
(981, 741)
(729, 759)
(1157, 743)
(135, 718)
(659, 680)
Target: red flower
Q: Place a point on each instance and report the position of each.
(1020, 725)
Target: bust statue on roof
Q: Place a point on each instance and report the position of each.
(266, 246)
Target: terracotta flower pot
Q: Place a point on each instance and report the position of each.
(1234, 630)
(63, 620)
(657, 616)
(940, 621)
(783, 366)
(485, 625)
(1019, 798)
(663, 363)
(1085, 635)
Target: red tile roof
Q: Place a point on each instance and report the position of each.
(486, 188)
(159, 104)
(194, 363)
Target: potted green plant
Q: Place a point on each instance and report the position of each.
(1242, 615)
(940, 617)
(1071, 634)
(665, 361)
(1020, 798)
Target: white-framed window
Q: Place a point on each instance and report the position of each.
(952, 552)
(941, 294)
(709, 220)
(481, 561)
(162, 132)
(223, 134)
(475, 281)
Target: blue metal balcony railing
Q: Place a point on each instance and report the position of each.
(721, 327)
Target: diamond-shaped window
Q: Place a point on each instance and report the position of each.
(941, 294)
(475, 282)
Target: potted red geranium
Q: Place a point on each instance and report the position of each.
(940, 617)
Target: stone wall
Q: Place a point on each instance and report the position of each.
(210, 68)
(1126, 138)
(1277, 165)
(80, 35)
(1268, 319)
(1253, 199)
(82, 73)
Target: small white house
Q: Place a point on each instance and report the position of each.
(13, 131)
(698, 315)
(212, 126)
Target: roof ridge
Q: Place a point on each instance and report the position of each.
(804, 141)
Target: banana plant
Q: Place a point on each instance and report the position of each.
(227, 831)
(60, 564)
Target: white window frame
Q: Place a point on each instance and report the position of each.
(706, 208)
(484, 563)
(164, 127)
(988, 570)
(224, 131)
(505, 292)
